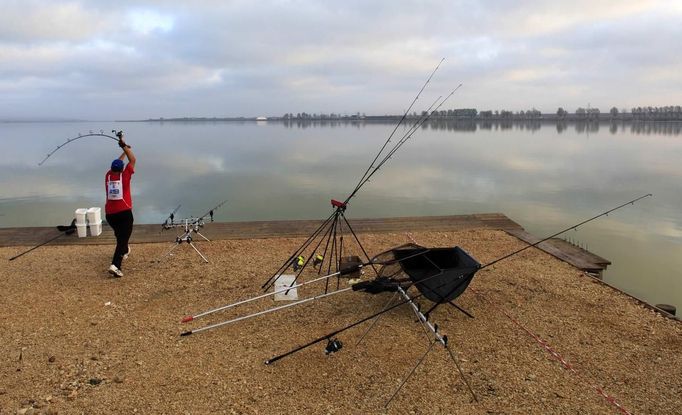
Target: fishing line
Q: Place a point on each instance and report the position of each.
(545, 345)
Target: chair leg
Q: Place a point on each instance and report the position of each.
(461, 309)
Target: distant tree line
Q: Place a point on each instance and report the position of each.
(321, 116)
(667, 113)
(656, 113)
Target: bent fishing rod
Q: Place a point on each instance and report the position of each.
(119, 137)
(417, 296)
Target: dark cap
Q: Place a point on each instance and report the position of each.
(117, 165)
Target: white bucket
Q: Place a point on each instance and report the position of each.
(95, 228)
(282, 282)
(82, 229)
(95, 215)
(80, 216)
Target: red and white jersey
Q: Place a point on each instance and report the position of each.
(117, 188)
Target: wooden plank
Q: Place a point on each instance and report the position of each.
(566, 252)
(147, 233)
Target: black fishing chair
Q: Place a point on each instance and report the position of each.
(440, 274)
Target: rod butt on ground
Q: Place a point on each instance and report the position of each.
(187, 333)
(187, 319)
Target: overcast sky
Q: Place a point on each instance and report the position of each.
(138, 59)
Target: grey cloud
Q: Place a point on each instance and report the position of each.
(244, 58)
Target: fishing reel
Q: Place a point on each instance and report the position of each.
(118, 134)
(179, 240)
(298, 262)
(197, 223)
(317, 260)
(333, 346)
(168, 224)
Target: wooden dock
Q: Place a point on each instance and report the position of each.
(564, 251)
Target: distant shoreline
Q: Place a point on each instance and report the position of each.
(553, 118)
(394, 118)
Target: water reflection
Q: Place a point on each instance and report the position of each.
(543, 175)
(468, 124)
(582, 127)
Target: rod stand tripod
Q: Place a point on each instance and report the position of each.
(190, 226)
(330, 234)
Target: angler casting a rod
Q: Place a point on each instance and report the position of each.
(119, 204)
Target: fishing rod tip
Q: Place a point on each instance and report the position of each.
(186, 319)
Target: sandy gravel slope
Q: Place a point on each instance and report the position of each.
(76, 341)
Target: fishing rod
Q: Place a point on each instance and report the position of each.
(399, 144)
(258, 297)
(269, 310)
(405, 114)
(347, 327)
(191, 221)
(340, 207)
(210, 211)
(119, 137)
(574, 227)
(190, 225)
(65, 230)
(423, 317)
(166, 224)
(421, 294)
(437, 337)
(299, 251)
(347, 271)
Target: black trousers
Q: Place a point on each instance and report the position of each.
(122, 224)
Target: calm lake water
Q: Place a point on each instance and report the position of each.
(545, 177)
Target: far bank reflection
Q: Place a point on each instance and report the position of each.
(472, 125)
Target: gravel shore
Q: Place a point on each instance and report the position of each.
(76, 341)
